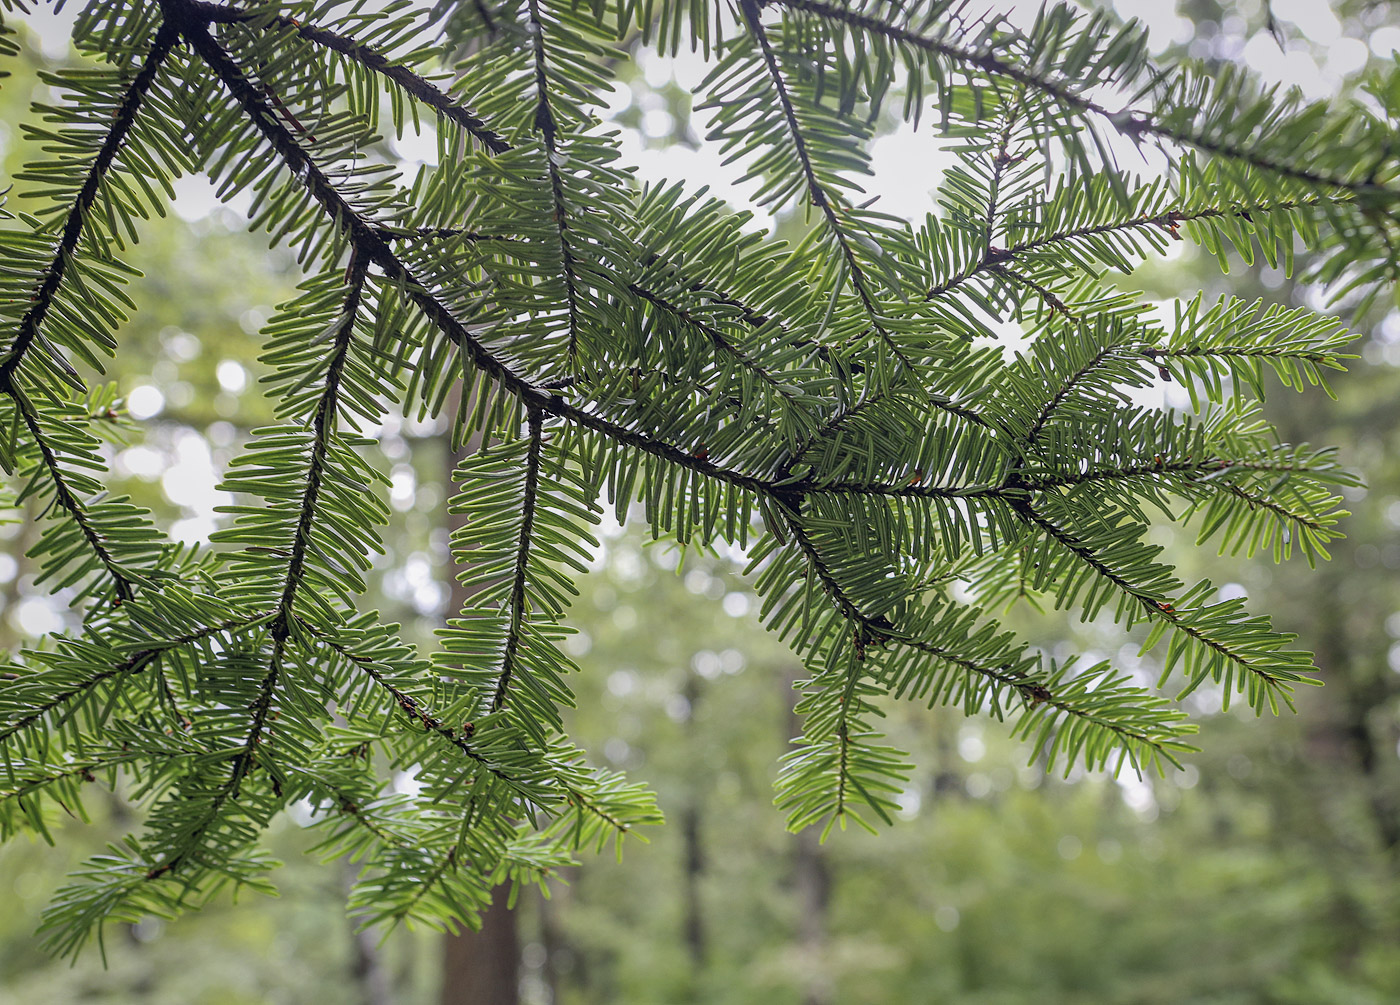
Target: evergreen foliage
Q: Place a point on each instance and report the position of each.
(834, 406)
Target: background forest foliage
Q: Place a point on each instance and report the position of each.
(1264, 871)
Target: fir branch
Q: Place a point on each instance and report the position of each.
(368, 56)
(1001, 159)
(749, 314)
(430, 721)
(133, 664)
(1126, 121)
(67, 499)
(845, 416)
(86, 771)
(1046, 294)
(1156, 608)
(879, 630)
(366, 236)
(411, 706)
(1067, 387)
(869, 629)
(517, 600)
(580, 799)
(717, 339)
(1169, 221)
(1195, 470)
(750, 9)
(449, 862)
(393, 233)
(1257, 501)
(856, 542)
(242, 763)
(44, 297)
(323, 428)
(911, 490)
(347, 807)
(548, 129)
(1034, 694)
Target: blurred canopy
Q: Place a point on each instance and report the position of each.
(841, 409)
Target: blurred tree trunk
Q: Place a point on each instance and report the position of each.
(1342, 612)
(556, 948)
(481, 967)
(366, 961)
(694, 860)
(1358, 691)
(811, 880)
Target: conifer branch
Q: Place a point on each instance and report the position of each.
(1158, 608)
(855, 271)
(1034, 694)
(411, 706)
(86, 771)
(1046, 294)
(1067, 387)
(241, 763)
(43, 298)
(869, 629)
(133, 664)
(366, 236)
(1196, 470)
(449, 861)
(1130, 123)
(393, 233)
(845, 416)
(347, 807)
(913, 490)
(1258, 501)
(433, 723)
(749, 314)
(517, 601)
(1001, 159)
(323, 429)
(1168, 221)
(717, 339)
(879, 630)
(548, 128)
(371, 58)
(67, 499)
(864, 504)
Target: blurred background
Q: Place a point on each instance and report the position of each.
(1265, 871)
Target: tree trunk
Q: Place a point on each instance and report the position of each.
(366, 961)
(1357, 690)
(811, 880)
(482, 967)
(694, 864)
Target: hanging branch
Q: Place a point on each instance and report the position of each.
(366, 237)
(522, 556)
(323, 428)
(133, 664)
(1168, 221)
(731, 386)
(1276, 680)
(548, 129)
(750, 9)
(43, 300)
(1126, 121)
(368, 56)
